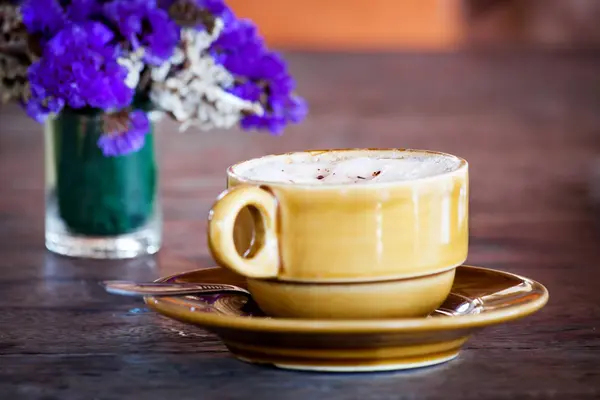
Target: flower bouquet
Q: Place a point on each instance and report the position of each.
(98, 73)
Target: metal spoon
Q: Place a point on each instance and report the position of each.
(128, 288)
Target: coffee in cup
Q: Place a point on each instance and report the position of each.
(343, 216)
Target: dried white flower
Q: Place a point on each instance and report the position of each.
(15, 57)
(134, 64)
(13, 77)
(12, 30)
(191, 86)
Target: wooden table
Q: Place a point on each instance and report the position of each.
(528, 124)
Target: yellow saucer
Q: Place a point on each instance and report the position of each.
(480, 297)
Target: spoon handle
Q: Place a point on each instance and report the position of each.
(128, 288)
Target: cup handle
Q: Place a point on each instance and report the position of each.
(263, 259)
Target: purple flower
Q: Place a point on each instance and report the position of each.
(46, 17)
(38, 103)
(278, 114)
(124, 133)
(146, 26)
(79, 66)
(80, 11)
(86, 45)
(39, 108)
(238, 47)
(43, 17)
(261, 76)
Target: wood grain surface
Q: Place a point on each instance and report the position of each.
(528, 124)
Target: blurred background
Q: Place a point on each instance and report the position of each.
(439, 25)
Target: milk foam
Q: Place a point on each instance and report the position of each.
(341, 168)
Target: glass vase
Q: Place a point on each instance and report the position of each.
(98, 206)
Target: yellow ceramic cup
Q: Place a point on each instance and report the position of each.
(342, 233)
(403, 298)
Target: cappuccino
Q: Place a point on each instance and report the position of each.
(347, 167)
